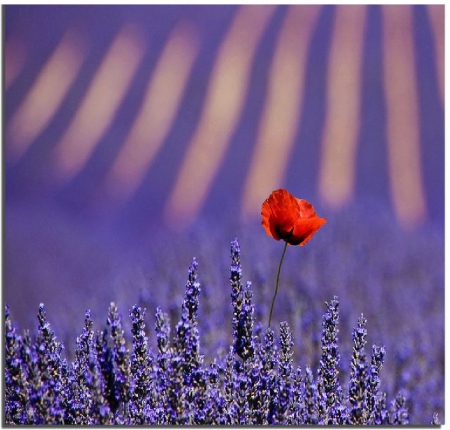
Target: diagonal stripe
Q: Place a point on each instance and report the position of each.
(100, 104)
(437, 17)
(339, 145)
(15, 54)
(282, 110)
(404, 157)
(45, 96)
(161, 103)
(225, 98)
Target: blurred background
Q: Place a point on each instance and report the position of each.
(170, 112)
(138, 137)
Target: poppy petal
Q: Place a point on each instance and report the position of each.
(306, 209)
(267, 220)
(280, 213)
(305, 229)
(288, 218)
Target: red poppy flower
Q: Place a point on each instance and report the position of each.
(288, 218)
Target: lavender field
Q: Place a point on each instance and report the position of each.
(140, 143)
(395, 279)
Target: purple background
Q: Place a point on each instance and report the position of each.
(73, 249)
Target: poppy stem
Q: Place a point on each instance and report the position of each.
(278, 278)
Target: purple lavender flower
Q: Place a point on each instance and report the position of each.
(381, 414)
(244, 342)
(398, 412)
(358, 387)
(141, 369)
(376, 364)
(230, 388)
(257, 396)
(100, 409)
(105, 364)
(80, 397)
(311, 399)
(120, 358)
(295, 415)
(107, 383)
(215, 405)
(243, 309)
(49, 363)
(237, 299)
(162, 328)
(15, 377)
(174, 399)
(161, 374)
(32, 411)
(237, 387)
(329, 389)
(187, 342)
(285, 370)
(86, 401)
(184, 363)
(269, 360)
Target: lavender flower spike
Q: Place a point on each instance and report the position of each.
(141, 366)
(187, 341)
(120, 358)
(236, 287)
(376, 364)
(358, 387)
(244, 344)
(330, 391)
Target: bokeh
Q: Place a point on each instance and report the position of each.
(138, 137)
